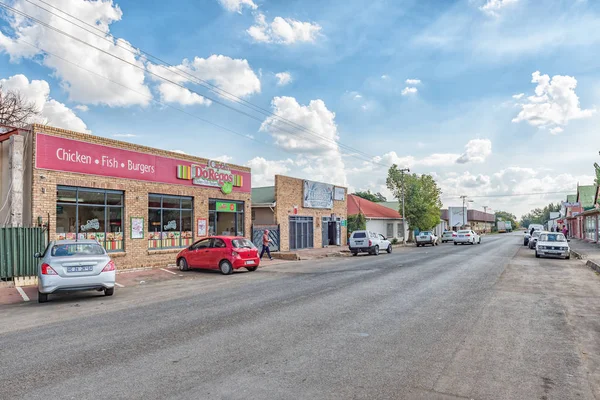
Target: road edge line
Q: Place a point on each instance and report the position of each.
(23, 294)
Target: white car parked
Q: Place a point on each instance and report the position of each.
(368, 242)
(552, 244)
(426, 237)
(467, 236)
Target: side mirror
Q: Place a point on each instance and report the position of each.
(37, 255)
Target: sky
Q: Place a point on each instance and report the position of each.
(494, 98)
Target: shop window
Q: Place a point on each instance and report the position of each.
(170, 221)
(83, 213)
(226, 217)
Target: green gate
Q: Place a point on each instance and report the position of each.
(17, 247)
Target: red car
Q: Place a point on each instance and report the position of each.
(224, 253)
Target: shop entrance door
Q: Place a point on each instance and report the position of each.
(301, 233)
(335, 232)
(325, 231)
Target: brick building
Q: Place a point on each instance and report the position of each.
(309, 214)
(142, 204)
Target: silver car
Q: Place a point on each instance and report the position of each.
(70, 265)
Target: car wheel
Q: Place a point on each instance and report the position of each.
(376, 251)
(389, 249)
(456, 244)
(568, 257)
(536, 254)
(183, 265)
(42, 297)
(251, 269)
(225, 267)
(354, 253)
(479, 241)
(418, 245)
(109, 292)
(524, 243)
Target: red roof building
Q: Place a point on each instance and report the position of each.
(380, 219)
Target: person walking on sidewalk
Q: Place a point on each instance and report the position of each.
(565, 230)
(265, 243)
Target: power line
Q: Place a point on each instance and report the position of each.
(205, 84)
(517, 194)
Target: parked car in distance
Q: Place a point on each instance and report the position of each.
(426, 237)
(553, 244)
(467, 236)
(368, 242)
(448, 236)
(223, 253)
(70, 265)
(533, 239)
(527, 234)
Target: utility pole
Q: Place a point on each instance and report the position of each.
(464, 199)
(402, 171)
(485, 216)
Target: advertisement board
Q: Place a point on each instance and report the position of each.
(457, 216)
(62, 154)
(339, 193)
(318, 195)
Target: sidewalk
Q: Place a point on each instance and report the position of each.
(586, 251)
(314, 254)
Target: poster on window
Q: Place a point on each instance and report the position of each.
(339, 193)
(137, 227)
(202, 224)
(318, 195)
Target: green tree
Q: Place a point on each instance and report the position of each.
(356, 222)
(506, 216)
(421, 201)
(374, 197)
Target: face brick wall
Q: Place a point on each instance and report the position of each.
(136, 253)
(289, 192)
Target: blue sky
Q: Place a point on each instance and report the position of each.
(444, 87)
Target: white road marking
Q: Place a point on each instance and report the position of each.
(166, 270)
(118, 284)
(22, 293)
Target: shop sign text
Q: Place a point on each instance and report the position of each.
(91, 224)
(318, 195)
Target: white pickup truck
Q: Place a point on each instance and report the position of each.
(426, 237)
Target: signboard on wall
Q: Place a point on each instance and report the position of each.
(339, 193)
(69, 155)
(318, 195)
(457, 216)
(570, 204)
(223, 206)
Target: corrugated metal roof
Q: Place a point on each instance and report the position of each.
(370, 209)
(571, 198)
(394, 205)
(586, 195)
(263, 195)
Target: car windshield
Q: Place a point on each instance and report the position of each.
(552, 237)
(242, 244)
(77, 249)
(537, 234)
(359, 235)
(464, 231)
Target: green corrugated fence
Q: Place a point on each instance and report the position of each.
(17, 247)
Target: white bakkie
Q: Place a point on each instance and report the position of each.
(368, 242)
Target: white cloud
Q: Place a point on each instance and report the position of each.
(319, 148)
(554, 104)
(82, 107)
(236, 5)
(412, 81)
(384, 76)
(556, 130)
(409, 90)
(234, 76)
(124, 135)
(357, 96)
(224, 158)
(82, 86)
(264, 171)
(283, 78)
(493, 7)
(439, 160)
(518, 96)
(476, 151)
(283, 30)
(51, 111)
(178, 151)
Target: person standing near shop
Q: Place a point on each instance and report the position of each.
(265, 243)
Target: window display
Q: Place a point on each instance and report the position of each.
(170, 221)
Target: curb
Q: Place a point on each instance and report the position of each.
(577, 255)
(593, 265)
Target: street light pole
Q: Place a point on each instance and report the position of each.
(464, 198)
(402, 171)
(485, 216)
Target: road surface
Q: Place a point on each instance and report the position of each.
(488, 321)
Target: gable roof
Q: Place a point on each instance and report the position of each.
(394, 205)
(586, 195)
(369, 209)
(263, 195)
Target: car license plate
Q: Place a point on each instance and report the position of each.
(462, 236)
(359, 242)
(86, 268)
(249, 262)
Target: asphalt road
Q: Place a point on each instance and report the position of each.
(488, 321)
